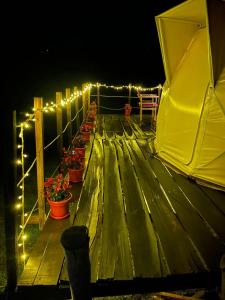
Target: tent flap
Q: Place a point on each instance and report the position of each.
(190, 132)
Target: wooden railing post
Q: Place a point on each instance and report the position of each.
(68, 115)
(222, 267)
(129, 96)
(88, 98)
(77, 108)
(8, 196)
(59, 122)
(140, 108)
(84, 100)
(98, 98)
(38, 113)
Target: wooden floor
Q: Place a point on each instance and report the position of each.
(145, 221)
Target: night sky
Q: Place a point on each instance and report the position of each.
(48, 48)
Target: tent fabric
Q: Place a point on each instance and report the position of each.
(190, 132)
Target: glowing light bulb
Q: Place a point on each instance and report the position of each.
(23, 256)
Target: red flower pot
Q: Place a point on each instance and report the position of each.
(85, 135)
(80, 152)
(76, 175)
(60, 209)
(128, 109)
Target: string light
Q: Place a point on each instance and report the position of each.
(18, 205)
(50, 106)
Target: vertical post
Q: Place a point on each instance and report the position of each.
(98, 97)
(8, 194)
(38, 113)
(76, 103)
(140, 108)
(68, 115)
(88, 98)
(222, 267)
(75, 241)
(59, 122)
(84, 100)
(129, 96)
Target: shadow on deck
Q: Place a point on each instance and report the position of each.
(150, 228)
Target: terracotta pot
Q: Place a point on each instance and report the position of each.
(128, 109)
(60, 209)
(76, 175)
(80, 152)
(85, 135)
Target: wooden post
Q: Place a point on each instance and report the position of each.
(8, 195)
(88, 98)
(38, 113)
(129, 96)
(68, 115)
(84, 100)
(222, 267)
(75, 241)
(98, 98)
(59, 122)
(76, 102)
(140, 108)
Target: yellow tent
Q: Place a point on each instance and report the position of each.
(190, 133)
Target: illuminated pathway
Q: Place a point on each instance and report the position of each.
(145, 220)
(149, 227)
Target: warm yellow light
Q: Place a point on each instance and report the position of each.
(20, 245)
(24, 256)
(26, 125)
(19, 146)
(25, 155)
(18, 205)
(19, 162)
(20, 197)
(24, 237)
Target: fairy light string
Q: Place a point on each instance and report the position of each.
(50, 106)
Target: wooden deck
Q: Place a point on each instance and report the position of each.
(149, 227)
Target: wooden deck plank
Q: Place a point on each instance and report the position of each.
(210, 248)
(108, 126)
(38, 253)
(218, 197)
(96, 244)
(202, 203)
(126, 236)
(173, 238)
(82, 215)
(114, 230)
(100, 131)
(128, 132)
(52, 261)
(141, 232)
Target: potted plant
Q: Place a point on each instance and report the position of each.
(85, 132)
(78, 144)
(58, 196)
(128, 109)
(74, 165)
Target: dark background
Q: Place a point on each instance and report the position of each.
(48, 47)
